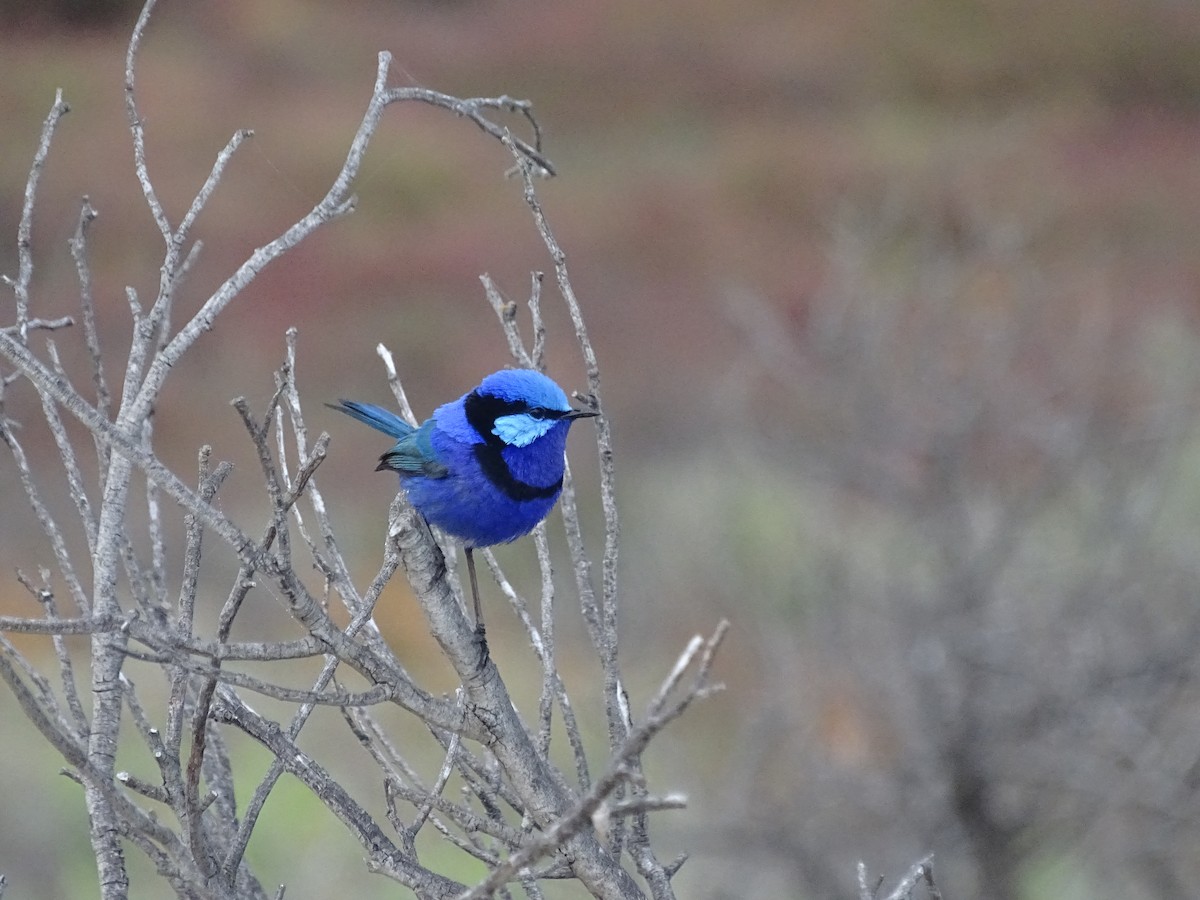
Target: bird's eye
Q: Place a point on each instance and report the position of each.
(537, 413)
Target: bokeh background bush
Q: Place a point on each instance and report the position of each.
(896, 305)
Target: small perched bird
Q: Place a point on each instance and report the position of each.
(487, 467)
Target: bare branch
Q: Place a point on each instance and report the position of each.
(25, 229)
(384, 855)
(506, 312)
(48, 524)
(699, 653)
(472, 109)
(83, 270)
(39, 325)
(394, 383)
(136, 126)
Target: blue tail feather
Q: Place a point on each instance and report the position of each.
(376, 416)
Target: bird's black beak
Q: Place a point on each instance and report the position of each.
(580, 414)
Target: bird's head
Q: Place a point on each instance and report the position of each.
(517, 406)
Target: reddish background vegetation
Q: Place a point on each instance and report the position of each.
(810, 240)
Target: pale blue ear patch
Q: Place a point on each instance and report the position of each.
(521, 429)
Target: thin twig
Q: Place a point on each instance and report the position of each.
(39, 325)
(66, 451)
(49, 525)
(83, 270)
(136, 126)
(25, 228)
(506, 312)
(66, 667)
(472, 109)
(383, 853)
(393, 380)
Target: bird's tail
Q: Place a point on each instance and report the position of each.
(376, 416)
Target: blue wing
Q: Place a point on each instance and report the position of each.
(413, 453)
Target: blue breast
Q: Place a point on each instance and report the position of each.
(478, 504)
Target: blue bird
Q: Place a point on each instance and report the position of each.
(487, 467)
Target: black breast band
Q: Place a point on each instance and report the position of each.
(498, 473)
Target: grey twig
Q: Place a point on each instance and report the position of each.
(39, 325)
(47, 522)
(506, 312)
(20, 285)
(394, 383)
(472, 109)
(602, 617)
(921, 871)
(384, 856)
(136, 126)
(83, 270)
(662, 711)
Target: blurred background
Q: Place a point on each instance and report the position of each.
(896, 307)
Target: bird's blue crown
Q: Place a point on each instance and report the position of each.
(513, 406)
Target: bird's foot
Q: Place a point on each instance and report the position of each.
(481, 641)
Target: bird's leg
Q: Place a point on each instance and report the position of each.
(474, 589)
(480, 634)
